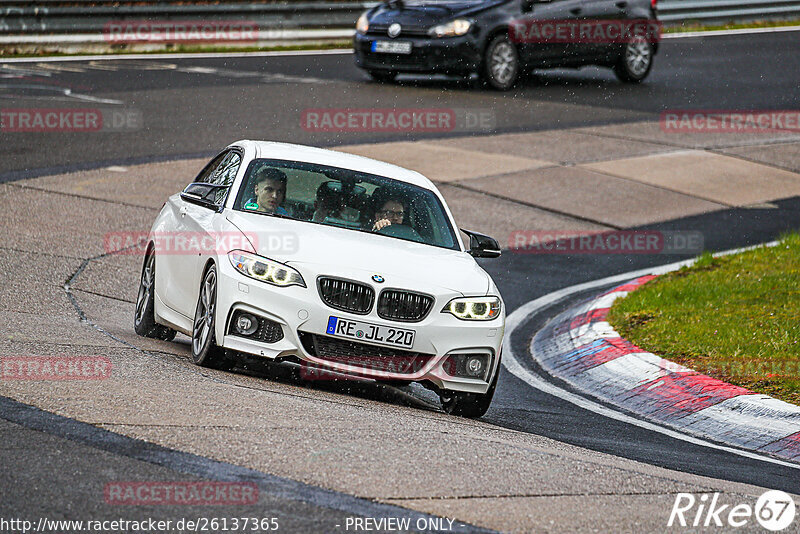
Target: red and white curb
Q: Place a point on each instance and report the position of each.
(581, 348)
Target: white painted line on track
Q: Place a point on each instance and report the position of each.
(207, 55)
(529, 309)
(187, 55)
(739, 31)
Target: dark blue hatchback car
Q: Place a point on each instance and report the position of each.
(499, 39)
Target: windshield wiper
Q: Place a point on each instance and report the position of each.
(279, 215)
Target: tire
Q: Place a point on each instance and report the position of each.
(635, 62)
(382, 76)
(472, 405)
(501, 66)
(205, 351)
(144, 322)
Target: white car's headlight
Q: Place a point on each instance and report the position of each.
(474, 308)
(266, 270)
(451, 29)
(363, 24)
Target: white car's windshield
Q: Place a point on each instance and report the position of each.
(346, 199)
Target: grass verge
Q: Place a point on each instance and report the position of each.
(10, 51)
(692, 26)
(736, 318)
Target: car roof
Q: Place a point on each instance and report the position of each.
(321, 156)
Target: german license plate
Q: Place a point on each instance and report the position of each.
(372, 333)
(392, 47)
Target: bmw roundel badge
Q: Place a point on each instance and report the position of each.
(378, 278)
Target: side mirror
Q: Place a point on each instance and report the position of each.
(482, 246)
(203, 194)
(527, 5)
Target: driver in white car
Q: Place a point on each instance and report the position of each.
(391, 211)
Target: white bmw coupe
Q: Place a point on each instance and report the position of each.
(343, 264)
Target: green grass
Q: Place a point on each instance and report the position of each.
(736, 318)
(9, 50)
(691, 26)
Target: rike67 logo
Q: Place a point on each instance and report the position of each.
(774, 510)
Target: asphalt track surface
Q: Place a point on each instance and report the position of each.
(201, 104)
(197, 107)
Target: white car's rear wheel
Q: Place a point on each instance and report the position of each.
(144, 322)
(205, 351)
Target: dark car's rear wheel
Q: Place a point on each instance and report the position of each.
(205, 351)
(636, 61)
(500, 68)
(383, 76)
(144, 322)
(471, 405)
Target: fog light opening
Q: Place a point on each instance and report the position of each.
(246, 324)
(475, 366)
(467, 365)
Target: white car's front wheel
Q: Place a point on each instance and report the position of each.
(205, 351)
(471, 405)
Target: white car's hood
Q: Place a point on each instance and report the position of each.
(352, 254)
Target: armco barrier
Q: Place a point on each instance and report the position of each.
(45, 20)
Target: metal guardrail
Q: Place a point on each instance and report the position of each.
(726, 10)
(26, 20)
(82, 19)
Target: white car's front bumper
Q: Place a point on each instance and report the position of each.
(301, 310)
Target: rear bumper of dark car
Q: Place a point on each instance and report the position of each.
(455, 55)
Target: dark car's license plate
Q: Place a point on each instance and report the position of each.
(373, 333)
(392, 47)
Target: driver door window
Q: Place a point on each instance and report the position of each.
(221, 171)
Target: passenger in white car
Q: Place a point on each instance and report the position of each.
(328, 203)
(330, 207)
